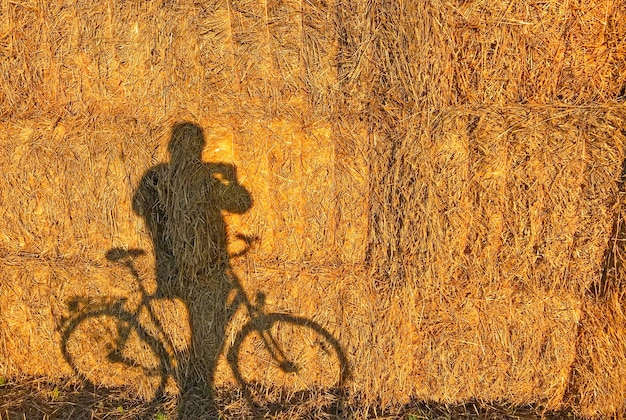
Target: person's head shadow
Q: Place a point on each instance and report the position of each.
(187, 142)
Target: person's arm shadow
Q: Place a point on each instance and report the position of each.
(226, 191)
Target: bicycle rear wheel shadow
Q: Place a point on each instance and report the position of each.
(105, 342)
(92, 346)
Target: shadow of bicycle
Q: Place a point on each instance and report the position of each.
(124, 340)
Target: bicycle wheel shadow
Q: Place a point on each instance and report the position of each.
(119, 339)
(318, 348)
(182, 203)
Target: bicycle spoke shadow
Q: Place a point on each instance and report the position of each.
(182, 204)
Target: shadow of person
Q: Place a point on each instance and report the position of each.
(181, 203)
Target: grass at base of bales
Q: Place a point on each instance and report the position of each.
(40, 399)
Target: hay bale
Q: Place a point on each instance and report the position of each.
(597, 377)
(433, 183)
(482, 221)
(438, 54)
(488, 200)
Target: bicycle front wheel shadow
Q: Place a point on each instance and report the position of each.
(279, 360)
(114, 350)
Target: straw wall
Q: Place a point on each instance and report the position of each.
(434, 183)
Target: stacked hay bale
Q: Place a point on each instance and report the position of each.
(436, 183)
(505, 148)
